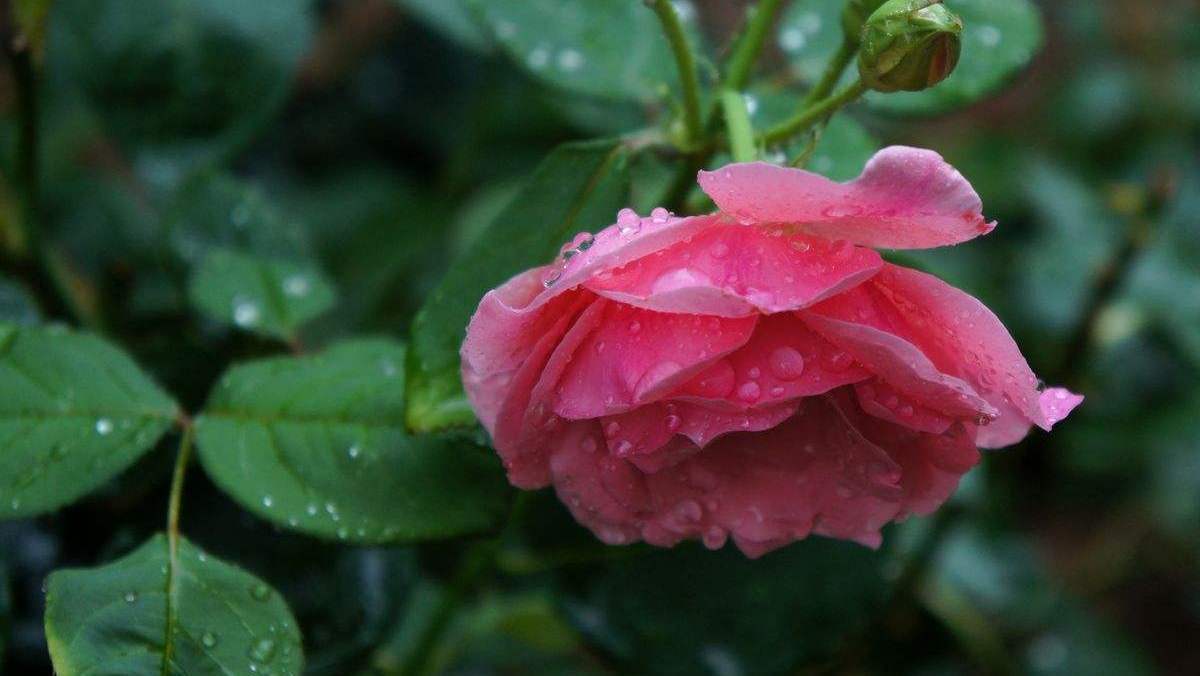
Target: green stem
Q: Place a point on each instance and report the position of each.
(749, 46)
(173, 505)
(173, 502)
(806, 118)
(737, 122)
(685, 61)
(833, 72)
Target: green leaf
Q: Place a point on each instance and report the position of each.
(578, 187)
(453, 19)
(16, 305)
(151, 613)
(317, 444)
(180, 83)
(612, 49)
(273, 298)
(74, 412)
(691, 611)
(217, 211)
(998, 40)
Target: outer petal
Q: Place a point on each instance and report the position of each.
(636, 356)
(966, 339)
(850, 322)
(906, 198)
(733, 270)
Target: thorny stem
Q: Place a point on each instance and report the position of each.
(685, 61)
(806, 118)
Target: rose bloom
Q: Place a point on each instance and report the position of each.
(759, 373)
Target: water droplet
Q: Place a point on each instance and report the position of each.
(720, 250)
(260, 592)
(989, 36)
(842, 211)
(628, 221)
(538, 58)
(15, 504)
(354, 451)
(245, 311)
(673, 422)
(268, 501)
(635, 326)
(754, 372)
(131, 597)
(262, 651)
(209, 640)
(841, 249)
(786, 363)
(714, 538)
(311, 509)
(749, 391)
(792, 40)
(584, 240)
(570, 60)
(659, 215)
(296, 286)
(552, 277)
(104, 426)
(624, 447)
(800, 245)
(612, 428)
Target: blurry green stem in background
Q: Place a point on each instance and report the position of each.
(686, 63)
(810, 115)
(47, 271)
(737, 122)
(833, 72)
(749, 45)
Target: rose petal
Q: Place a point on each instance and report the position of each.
(646, 429)
(734, 271)
(635, 356)
(883, 401)
(851, 322)
(813, 473)
(905, 198)
(965, 339)
(783, 360)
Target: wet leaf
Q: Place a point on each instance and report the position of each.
(317, 444)
(274, 298)
(74, 412)
(607, 48)
(152, 613)
(181, 84)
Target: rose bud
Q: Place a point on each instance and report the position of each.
(909, 45)
(854, 15)
(759, 373)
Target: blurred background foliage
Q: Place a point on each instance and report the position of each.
(376, 139)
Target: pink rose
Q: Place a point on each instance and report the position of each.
(760, 372)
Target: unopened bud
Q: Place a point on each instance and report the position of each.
(909, 45)
(854, 15)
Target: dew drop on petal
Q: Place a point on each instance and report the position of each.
(786, 363)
